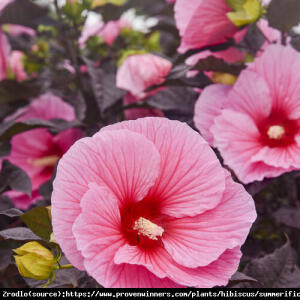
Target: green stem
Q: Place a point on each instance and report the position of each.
(69, 266)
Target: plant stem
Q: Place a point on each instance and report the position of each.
(69, 266)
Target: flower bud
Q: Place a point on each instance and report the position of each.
(35, 261)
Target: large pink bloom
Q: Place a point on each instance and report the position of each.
(146, 203)
(203, 23)
(135, 75)
(37, 151)
(256, 124)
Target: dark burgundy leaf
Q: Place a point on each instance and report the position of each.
(239, 277)
(284, 14)
(276, 270)
(12, 212)
(23, 12)
(18, 234)
(212, 63)
(288, 216)
(14, 178)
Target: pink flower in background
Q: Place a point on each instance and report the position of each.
(3, 3)
(256, 124)
(37, 151)
(4, 53)
(203, 23)
(135, 113)
(16, 65)
(109, 31)
(146, 203)
(135, 75)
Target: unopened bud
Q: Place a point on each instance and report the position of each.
(35, 261)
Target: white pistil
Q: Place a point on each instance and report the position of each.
(276, 132)
(148, 229)
(47, 161)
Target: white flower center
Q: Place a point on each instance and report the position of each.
(47, 161)
(148, 229)
(276, 132)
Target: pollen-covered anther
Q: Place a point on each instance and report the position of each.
(47, 161)
(148, 229)
(276, 132)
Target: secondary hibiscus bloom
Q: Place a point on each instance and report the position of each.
(203, 23)
(146, 203)
(37, 151)
(256, 124)
(135, 75)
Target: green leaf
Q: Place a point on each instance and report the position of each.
(284, 14)
(14, 178)
(248, 13)
(38, 220)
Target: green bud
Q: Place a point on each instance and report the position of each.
(244, 11)
(35, 261)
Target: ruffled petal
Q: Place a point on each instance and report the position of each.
(208, 107)
(190, 183)
(162, 265)
(250, 95)
(198, 241)
(279, 66)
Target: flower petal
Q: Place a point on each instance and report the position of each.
(250, 95)
(191, 179)
(209, 105)
(202, 23)
(161, 264)
(281, 157)
(279, 66)
(200, 240)
(48, 107)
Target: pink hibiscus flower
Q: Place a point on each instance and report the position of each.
(146, 203)
(4, 53)
(37, 151)
(203, 23)
(135, 75)
(256, 124)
